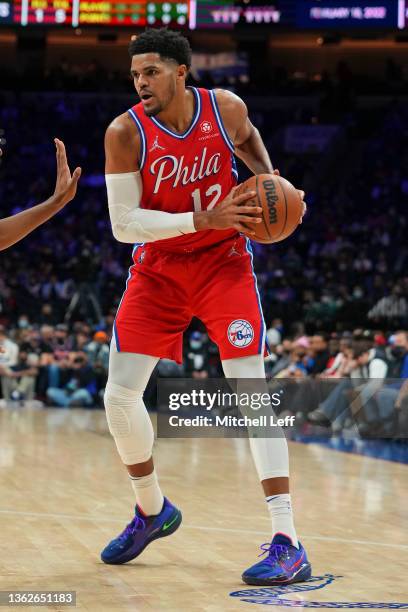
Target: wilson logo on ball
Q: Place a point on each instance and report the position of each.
(206, 127)
(240, 333)
(271, 199)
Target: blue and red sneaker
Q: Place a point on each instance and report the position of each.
(284, 564)
(140, 532)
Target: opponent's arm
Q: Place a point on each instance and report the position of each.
(130, 223)
(13, 229)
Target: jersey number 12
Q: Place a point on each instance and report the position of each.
(214, 190)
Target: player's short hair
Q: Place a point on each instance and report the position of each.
(168, 44)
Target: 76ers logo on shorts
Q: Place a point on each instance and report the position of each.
(240, 333)
(206, 127)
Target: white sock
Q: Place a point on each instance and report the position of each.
(148, 493)
(280, 509)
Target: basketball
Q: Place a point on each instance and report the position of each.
(281, 204)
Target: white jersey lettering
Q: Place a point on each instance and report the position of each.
(170, 167)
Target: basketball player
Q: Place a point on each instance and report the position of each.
(171, 177)
(13, 229)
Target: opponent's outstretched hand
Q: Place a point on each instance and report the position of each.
(66, 185)
(14, 228)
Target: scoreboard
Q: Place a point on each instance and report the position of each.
(42, 11)
(95, 12)
(225, 14)
(214, 14)
(349, 13)
(209, 14)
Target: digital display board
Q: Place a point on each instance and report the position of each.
(402, 14)
(209, 14)
(6, 11)
(112, 12)
(174, 13)
(347, 14)
(225, 14)
(42, 11)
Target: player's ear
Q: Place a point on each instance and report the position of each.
(182, 71)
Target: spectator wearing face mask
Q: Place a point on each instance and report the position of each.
(98, 350)
(274, 333)
(23, 322)
(98, 355)
(392, 399)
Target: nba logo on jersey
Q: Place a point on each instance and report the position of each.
(206, 127)
(240, 333)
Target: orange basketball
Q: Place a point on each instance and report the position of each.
(281, 205)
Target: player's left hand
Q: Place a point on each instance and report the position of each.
(302, 197)
(66, 186)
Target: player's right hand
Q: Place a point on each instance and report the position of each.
(66, 185)
(234, 212)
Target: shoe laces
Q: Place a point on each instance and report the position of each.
(136, 524)
(276, 551)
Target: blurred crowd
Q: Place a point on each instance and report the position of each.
(260, 77)
(345, 268)
(54, 365)
(357, 380)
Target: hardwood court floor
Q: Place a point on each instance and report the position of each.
(64, 495)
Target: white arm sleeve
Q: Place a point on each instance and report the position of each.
(130, 223)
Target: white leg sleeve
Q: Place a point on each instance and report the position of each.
(128, 420)
(270, 455)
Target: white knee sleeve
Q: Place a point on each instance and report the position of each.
(129, 423)
(270, 455)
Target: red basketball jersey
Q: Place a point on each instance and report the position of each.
(187, 172)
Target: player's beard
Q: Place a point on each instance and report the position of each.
(152, 112)
(161, 105)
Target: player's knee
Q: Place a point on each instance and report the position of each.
(129, 423)
(120, 402)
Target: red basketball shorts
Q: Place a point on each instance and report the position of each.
(165, 290)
